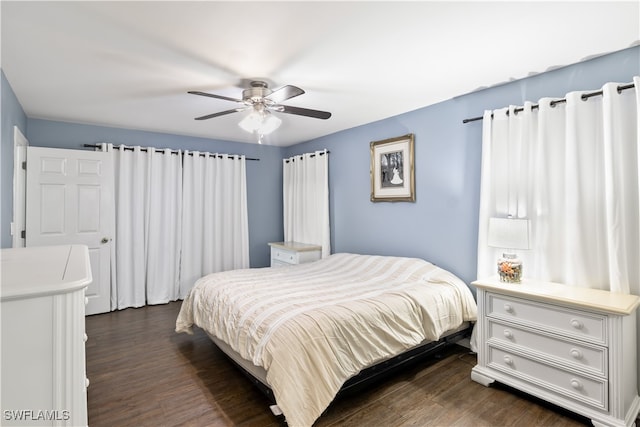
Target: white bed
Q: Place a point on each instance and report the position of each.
(306, 329)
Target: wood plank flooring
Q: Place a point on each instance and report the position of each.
(144, 374)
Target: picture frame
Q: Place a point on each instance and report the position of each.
(392, 170)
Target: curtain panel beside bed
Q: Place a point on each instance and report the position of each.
(571, 166)
(178, 216)
(305, 187)
(215, 232)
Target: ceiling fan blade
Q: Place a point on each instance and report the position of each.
(284, 93)
(316, 114)
(211, 95)
(221, 113)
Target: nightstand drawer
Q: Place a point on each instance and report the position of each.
(588, 391)
(276, 263)
(575, 354)
(291, 253)
(547, 317)
(289, 257)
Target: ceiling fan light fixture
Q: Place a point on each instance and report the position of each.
(262, 123)
(262, 101)
(251, 122)
(269, 124)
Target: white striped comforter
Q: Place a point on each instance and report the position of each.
(313, 326)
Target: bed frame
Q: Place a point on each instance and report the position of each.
(364, 378)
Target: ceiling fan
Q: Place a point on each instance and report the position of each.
(262, 101)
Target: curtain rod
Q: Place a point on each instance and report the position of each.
(293, 158)
(162, 151)
(584, 97)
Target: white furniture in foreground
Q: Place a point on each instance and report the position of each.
(573, 347)
(43, 335)
(290, 253)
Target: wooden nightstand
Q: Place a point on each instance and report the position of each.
(573, 347)
(291, 253)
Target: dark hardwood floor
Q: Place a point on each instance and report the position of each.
(144, 374)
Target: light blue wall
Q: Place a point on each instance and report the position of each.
(264, 177)
(442, 225)
(12, 115)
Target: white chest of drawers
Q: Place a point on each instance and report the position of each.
(573, 347)
(291, 253)
(43, 336)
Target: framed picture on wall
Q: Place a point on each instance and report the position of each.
(392, 170)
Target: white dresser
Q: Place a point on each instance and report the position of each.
(43, 335)
(290, 253)
(573, 347)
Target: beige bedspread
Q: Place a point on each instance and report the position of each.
(313, 326)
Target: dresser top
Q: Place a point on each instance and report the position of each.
(295, 246)
(593, 299)
(43, 270)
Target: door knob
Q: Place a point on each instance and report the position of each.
(104, 240)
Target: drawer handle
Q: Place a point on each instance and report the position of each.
(508, 334)
(85, 337)
(575, 353)
(576, 324)
(86, 382)
(576, 384)
(508, 360)
(508, 308)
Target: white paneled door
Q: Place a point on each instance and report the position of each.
(70, 201)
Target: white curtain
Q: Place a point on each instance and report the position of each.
(215, 222)
(306, 199)
(572, 169)
(148, 193)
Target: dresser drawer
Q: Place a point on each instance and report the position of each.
(588, 391)
(568, 322)
(589, 358)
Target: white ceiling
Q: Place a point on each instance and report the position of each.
(130, 64)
